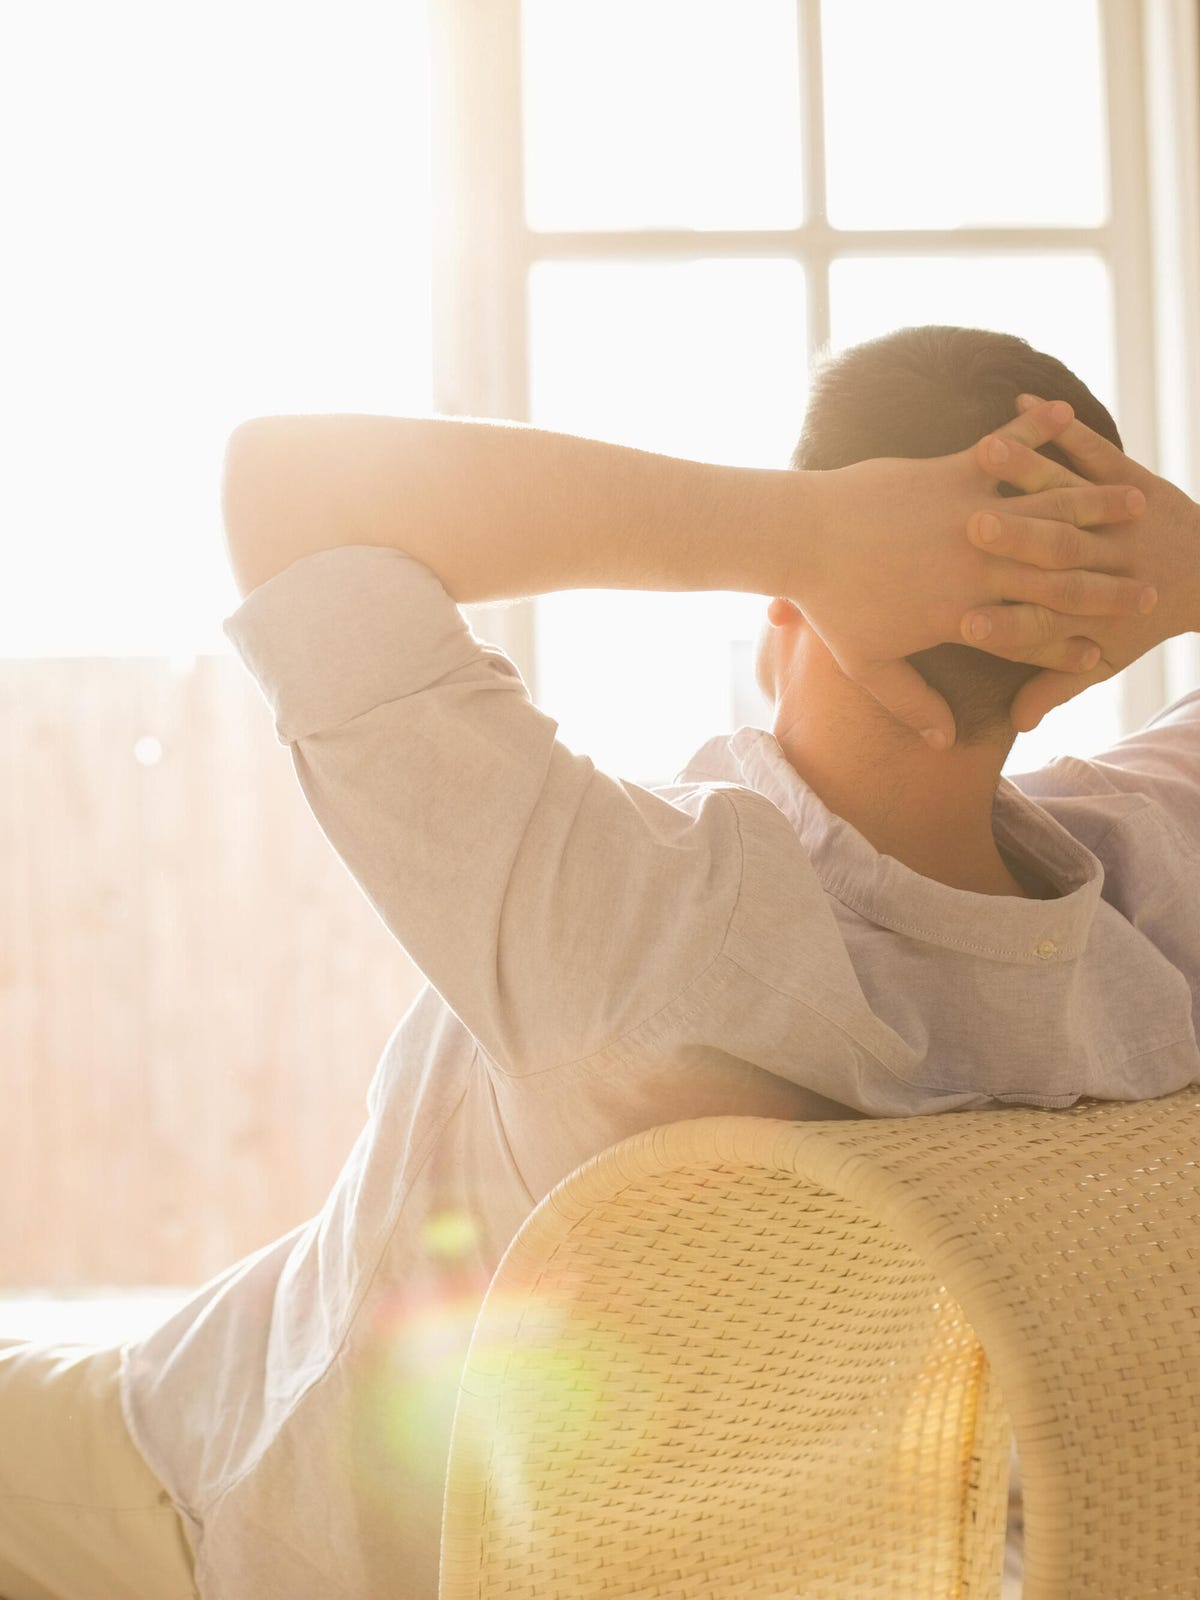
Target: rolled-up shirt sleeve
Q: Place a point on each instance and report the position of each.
(1160, 761)
(552, 906)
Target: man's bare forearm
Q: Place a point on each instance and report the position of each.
(498, 510)
(875, 554)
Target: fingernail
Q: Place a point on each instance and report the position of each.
(1060, 411)
(1136, 501)
(1089, 658)
(934, 738)
(1148, 601)
(980, 627)
(1024, 401)
(997, 452)
(989, 528)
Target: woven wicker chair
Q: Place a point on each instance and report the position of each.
(737, 1357)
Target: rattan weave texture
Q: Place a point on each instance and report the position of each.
(737, 1357)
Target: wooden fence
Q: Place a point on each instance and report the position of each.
(193, 991)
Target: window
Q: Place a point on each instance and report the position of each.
(692, 198)
(210, 214)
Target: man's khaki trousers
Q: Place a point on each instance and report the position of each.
(81, 1515)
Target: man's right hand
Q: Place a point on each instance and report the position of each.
(1162, 547)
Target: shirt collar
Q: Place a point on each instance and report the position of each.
(890, 894)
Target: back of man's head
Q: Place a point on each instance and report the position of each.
(933, 391)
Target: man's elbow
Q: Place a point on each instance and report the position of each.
(262, 497)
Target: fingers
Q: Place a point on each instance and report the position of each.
(1036, 424)
(1032, 634)
(1075, 593)
(1097, 458)
(1047, 609)
(1041, 634)
(1059, 538)
(1010, 454)
(1033, 700)
(1009, 460)
(901, 689)
(1090, 505)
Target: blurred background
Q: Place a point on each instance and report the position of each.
(635, 219)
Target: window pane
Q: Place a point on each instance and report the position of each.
(941, 114)
(661, 114)
(639, 681)
(1089, 723)
(707, 359)
(702, 359)
(222, 211)
(1061, 303)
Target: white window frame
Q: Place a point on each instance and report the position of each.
(1171, 40)
(484, 250)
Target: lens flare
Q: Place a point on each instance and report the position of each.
(450, 1235)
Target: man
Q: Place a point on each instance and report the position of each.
(919, 392)
(602, 958)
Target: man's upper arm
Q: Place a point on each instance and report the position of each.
(254, 481)
(295, 485)
(1160, 761)
(552, 906)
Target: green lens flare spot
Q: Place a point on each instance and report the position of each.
(449, 1235)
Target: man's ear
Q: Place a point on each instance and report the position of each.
(782, 611)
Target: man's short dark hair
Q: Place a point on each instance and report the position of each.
(932, 391)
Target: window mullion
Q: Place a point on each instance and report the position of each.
(1141, 688)
(1171, 36)
(480, 245)
(479, 235)
(816, 255)
(689, 243)
(1129, 248)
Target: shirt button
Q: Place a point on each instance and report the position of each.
(1046, 949)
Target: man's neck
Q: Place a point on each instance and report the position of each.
(929, 810)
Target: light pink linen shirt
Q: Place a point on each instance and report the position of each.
(602, 958)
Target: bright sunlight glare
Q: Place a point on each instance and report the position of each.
(221, 211)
